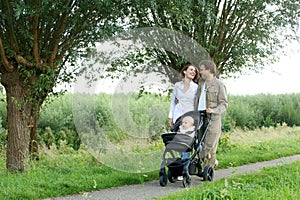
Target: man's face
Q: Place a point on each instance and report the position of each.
(203, 71)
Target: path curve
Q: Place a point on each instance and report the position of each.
(152, 189)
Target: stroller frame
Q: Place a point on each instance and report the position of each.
(176, 142)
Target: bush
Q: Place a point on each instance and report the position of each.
(256, 111)
(241, 114)
(289, 112)
(145, 116)
(3, 111)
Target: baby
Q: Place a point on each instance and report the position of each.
(187, 125)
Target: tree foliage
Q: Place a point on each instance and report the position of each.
(37, 40)
(237, 34)
(41, 36)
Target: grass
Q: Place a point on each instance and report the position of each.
(259, 145)
(276, 183)
(65, 171)
(62, 174)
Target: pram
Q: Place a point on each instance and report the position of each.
(176, 143)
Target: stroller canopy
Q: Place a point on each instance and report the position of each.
(196, 115)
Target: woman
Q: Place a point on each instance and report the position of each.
(185, 92)
(183, 97)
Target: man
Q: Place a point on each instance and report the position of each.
(211, 97)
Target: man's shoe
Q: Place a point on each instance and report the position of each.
(216, 164)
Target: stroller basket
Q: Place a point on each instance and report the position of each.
(176, 167)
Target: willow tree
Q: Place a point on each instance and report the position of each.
(237, 34)
(37, 39)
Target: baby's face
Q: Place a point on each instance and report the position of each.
(186, 123)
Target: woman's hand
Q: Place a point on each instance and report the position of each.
(170, 122)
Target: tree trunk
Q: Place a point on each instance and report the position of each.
(21, 121)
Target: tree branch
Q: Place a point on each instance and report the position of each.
(11, 27)
(57, 39)
(23, 61)
(214, 22)
(65, 46)
(35, 25)
(6, 63)
(58, 34)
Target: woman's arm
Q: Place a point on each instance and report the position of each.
(172, 106)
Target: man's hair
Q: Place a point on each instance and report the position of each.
(209, 65)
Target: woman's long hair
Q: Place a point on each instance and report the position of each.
(197, 76)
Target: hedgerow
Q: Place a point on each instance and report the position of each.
(119, 115)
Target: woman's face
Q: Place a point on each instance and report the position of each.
(190, 72)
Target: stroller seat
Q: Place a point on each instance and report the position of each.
(181, 142)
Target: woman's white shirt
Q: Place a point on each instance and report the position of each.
(185, 99)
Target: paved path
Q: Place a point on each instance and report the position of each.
(152, 189)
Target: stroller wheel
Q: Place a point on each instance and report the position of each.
(208, 173)
(163, 180)
(186, 182)
(170, 177)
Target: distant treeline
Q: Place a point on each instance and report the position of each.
(146, 115)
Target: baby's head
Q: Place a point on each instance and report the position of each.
(187, 122)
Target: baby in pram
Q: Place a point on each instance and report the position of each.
(187, 126)
(185, 140)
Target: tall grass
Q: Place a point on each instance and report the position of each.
(257, 145)
(250, 112)
(133, 115)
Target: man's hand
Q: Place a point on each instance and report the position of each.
(209, 110)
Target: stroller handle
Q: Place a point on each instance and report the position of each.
(203, 112)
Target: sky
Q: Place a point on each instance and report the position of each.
(280, 78)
